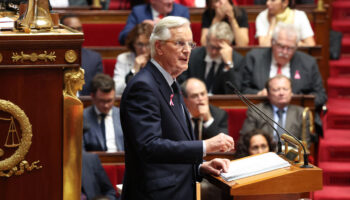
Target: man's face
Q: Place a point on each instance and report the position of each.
(197, 96)
(213, 47)
(258, 144)
(104, 101)
(173, 54)
(280, 92)
(74, 23)
(164, 7)
(283, 48)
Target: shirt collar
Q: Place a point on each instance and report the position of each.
(208, 59)
(98, 112)
(155, 13)
(275, 109)
(165, 74)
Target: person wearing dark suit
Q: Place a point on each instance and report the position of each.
(279, 91)
(217, 62)
(302, 69)
(151, 13)
(102, 118)
(162, 157)
(91, 61)
(95, 182)
(212, 118)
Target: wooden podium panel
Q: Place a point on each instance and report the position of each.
(31, 75)
(285, 183)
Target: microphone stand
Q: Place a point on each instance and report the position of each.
(261, 114)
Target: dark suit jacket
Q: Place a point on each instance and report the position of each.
(95, 181)
(142, 12)
(91, 62)
(218, 126)
(197, 65)
(161, 155)
(293, 122)
(256, 71)
(92, 138)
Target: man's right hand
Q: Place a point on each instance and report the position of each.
(219, 143)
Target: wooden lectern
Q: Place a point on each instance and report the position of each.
(40, 126)
(286, 183)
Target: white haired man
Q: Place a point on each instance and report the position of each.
(162, 157)
(217, 62)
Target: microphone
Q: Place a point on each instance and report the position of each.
(261, 114)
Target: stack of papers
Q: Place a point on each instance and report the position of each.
(6, 23)
(254, 165)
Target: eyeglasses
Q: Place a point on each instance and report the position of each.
(181, 44)
(217, 48)
(282, 47)
(141, 45)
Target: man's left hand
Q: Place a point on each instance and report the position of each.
(215, 166)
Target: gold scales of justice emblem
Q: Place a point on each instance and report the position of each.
(15, 146)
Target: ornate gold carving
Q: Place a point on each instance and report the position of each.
(70, 56)
(33, 56)
(8, 165)
(1, 57)
(73, 81)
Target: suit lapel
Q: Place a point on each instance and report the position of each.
(97, 129)
(265, 68)
(270, 114)
(166, 92)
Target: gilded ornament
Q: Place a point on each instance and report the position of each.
(70, 56)
(73, 81)
(8, 166)
(33, 56)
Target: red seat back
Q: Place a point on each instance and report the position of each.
(115, 174)
(197, 32)
(108, 66)
(102, 34)
(236, 119)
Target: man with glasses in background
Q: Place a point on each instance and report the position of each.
(283, 58)
(217, 62)
(162, 157)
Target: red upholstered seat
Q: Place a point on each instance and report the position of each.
(236, 119)
(108, 66)
(102, 34)
(115, 174)
(197, 32)
(251, 34)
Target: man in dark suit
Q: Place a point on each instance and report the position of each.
(95, 182)
(217, 62)
(102, 118)
(212, 119)
(91, 61)
(279, 90)
(151, 13)
(162, 157)
(282, 58)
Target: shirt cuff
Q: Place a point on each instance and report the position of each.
(208, 123)
(204, 149)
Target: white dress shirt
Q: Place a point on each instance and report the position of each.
(110, 135)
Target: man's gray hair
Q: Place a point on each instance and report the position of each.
(222, 31)
(161, 30)
(290, 29)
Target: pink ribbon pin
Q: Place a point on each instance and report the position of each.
(171, 100)
(297, 75)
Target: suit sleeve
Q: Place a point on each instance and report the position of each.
(247, 71)
(143, 121)
(318, 89)
(103, 181)
(130, 24)
(218, 126)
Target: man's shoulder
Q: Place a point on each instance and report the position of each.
(89, 53)
(141, 7)
(88, 110)
(256, 52)
(303, 56)
(198, 52)
(178, 7)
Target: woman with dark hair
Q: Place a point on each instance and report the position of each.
(129, 63)
(254, 142)
(225, 10)
(281, 11)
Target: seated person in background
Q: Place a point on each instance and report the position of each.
(254, 142)
(213, 119)
(151, 13)
(217, 62)
(129, 63)
(278, 11)
(279, 93)
(91, 61)
(102, 118)
(94, 180)
(283, 58)
(225, 10)
(263, 2)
